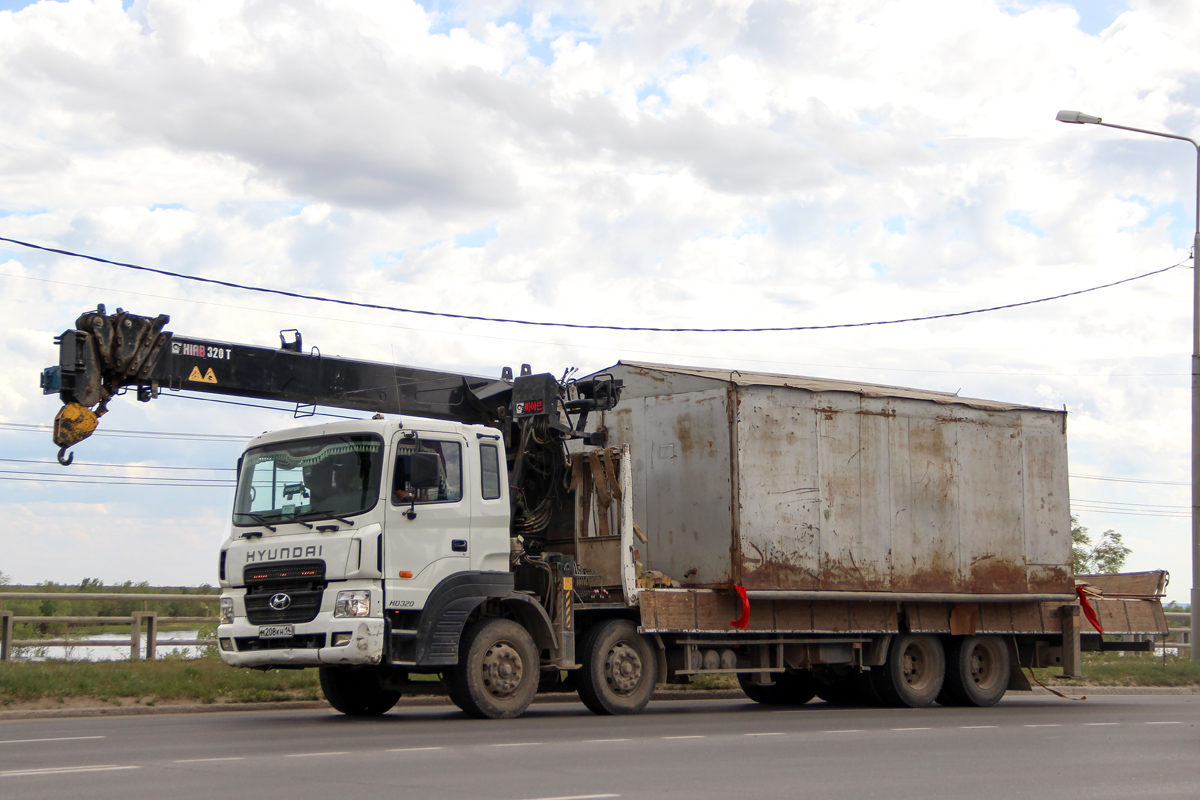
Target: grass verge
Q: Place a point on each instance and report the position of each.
(204, 680)
(1128, 669)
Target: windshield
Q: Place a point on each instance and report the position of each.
(321, 477)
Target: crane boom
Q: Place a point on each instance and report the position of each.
(105, 355)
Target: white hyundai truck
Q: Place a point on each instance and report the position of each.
(488, 539)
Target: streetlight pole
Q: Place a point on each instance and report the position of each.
(1078, 118)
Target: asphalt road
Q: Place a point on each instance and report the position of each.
(1106, 747)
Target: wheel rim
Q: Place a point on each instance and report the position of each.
(916, 665)
(983, 666)
(502, 669)
(623, 669)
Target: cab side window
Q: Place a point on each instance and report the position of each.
(427, 471)
(489, 465)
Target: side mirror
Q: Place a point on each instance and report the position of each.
(423, 471)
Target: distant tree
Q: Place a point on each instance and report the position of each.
(90, 583)
(5, 580)
(1102, 558)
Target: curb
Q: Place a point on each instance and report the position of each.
(566, 697)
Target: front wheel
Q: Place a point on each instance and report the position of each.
(499, 669)
(620, 667)
(356, 693)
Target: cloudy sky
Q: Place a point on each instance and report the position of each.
(689, 164)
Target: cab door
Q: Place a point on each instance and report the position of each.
(428, 529)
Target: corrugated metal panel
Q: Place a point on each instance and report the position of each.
(682, 482)
(844, 490)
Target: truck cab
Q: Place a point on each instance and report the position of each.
(335, 524)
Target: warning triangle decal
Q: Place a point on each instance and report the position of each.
(207, 377)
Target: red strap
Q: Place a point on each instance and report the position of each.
(744, 619)
(1088, 611)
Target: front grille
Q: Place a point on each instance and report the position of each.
(307, 641)
(302, 581)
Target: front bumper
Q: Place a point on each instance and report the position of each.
(311, 645)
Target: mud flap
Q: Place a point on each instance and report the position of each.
(1017, 680)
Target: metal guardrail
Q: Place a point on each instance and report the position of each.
(1187, 632)
(8, 621)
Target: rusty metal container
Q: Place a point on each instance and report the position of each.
(801, 485)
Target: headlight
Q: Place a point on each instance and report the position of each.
(226, 610)
(355, 603)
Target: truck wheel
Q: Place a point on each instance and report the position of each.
(840, 687)
(913, 674)
(789, 689)
(977, 670)
(452, 690)
(497, 676)
(356, 693)
(619, 670)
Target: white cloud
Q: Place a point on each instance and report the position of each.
(665, 163)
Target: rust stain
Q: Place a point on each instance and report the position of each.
(996, 575)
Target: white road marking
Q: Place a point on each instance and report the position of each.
(202, 760)
(974, 727)
(517, 744)
(602, 741)
(414, 749)
(683, 737)
(849, 730)
(310, 755)
(910, 729)
(1094, 724)
(1046, 725)
(1164, 723)
(764, 734)
(578, 797)
(59, 739)
(63, 770)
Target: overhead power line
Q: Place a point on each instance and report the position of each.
(181, 485)
(1128, 480)
(574, 325)
(52, 462)
(122, 434)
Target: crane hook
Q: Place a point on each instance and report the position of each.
(66, 462)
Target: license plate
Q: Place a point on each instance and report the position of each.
(276, 631)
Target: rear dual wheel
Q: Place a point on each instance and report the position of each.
(914, 672)
(977, 671)
(788, 688)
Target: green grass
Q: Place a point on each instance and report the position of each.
(1128, 669)
(207, 680)
(204, 680)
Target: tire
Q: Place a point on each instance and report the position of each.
(620, 667)
(913, 674)
(356, 693)
(452, 690)
(497, 675)
(789, 689)
(840, 688)
(977, 671)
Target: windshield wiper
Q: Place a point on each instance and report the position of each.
(261, 521)
(329, 514)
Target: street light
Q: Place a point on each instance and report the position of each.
(1079, 118)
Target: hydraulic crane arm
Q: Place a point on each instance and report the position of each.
(106, 355)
